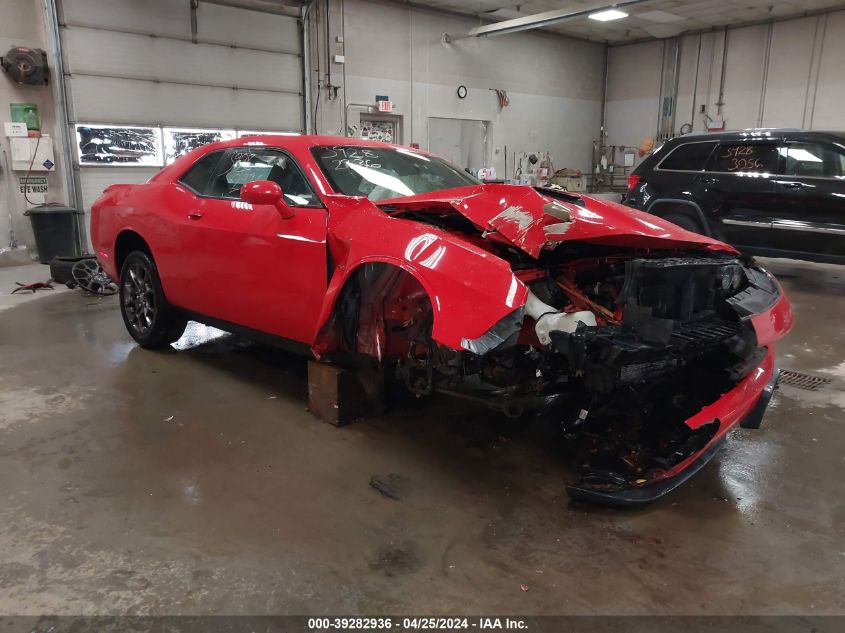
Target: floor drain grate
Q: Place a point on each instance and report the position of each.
(799, 380)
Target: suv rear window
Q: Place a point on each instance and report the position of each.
(688, 157)
(757, 158)
(812, 159)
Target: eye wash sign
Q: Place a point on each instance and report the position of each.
(33, 188)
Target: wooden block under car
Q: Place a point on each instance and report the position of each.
(339, 396)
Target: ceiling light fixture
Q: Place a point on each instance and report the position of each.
(608, 15)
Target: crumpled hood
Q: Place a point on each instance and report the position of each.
(531, 221)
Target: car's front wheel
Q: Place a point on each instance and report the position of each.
(150, 320)
(685, 221)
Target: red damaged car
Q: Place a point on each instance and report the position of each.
(651, 341)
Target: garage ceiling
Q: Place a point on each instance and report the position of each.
(649, 19)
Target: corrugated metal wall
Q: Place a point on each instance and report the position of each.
(132, 62)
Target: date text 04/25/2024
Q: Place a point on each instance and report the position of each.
(415, 624)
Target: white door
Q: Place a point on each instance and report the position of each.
(460, 141)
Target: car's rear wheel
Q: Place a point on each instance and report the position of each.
(150, 320)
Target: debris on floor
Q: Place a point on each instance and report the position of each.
(391, 485)
(82, 272)
(38, 285)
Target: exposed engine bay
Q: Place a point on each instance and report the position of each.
(623, 343)
(623, 347)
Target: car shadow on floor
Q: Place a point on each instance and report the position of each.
(463, 440)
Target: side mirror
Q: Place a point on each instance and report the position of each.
(266, 192)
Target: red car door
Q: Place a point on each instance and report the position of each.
(246, 264)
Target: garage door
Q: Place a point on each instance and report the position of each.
(143, 85)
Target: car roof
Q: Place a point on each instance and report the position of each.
(296, 141)
(292, 141)
(759, 133)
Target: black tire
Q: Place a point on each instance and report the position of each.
(149, 319)
(685, 221)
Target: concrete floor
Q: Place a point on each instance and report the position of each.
(195, 482)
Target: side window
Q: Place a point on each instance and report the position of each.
(812, 159)
(688, 157)
(755, 158)
(196, 178)
(242, 165)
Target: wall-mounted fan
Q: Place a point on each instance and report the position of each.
(26, 65)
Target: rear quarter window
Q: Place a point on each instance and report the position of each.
(197, 176)
(813, 160)
(688, 157)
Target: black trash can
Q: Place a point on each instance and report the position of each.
(56, 231)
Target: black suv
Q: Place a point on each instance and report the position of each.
(777, 193)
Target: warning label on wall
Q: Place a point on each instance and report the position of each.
(34, 188)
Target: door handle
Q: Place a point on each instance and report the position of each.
(792, 185)
(194, 215)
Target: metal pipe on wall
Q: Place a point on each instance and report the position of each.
(669, 77)
(328, 47)
(63, 112)
(818, 70)
(369, 107)
(721, 100)
(710, 74)
(306, 79)
(813, 70)
(604, 88)
(695, 85)
(314, 53)
(343, 73)
(411, 77)
(324, 38)
(309, 120)
(660, 92)
(767, 53)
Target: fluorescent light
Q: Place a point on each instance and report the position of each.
(607, 16)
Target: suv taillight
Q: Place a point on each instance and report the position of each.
(633, 179)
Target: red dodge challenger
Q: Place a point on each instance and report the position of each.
(652, 342)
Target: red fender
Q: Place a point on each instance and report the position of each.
(469, 288)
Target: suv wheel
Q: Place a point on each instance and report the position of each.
(685, 221)
(150, 320)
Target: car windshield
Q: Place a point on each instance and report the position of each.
(380, 173)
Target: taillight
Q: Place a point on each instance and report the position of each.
(633, 179)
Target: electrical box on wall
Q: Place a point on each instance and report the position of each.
(32, 153)
(714, 124)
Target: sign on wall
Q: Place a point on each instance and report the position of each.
(33, 189)
(373, 130)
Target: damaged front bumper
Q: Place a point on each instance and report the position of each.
(743, 405)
